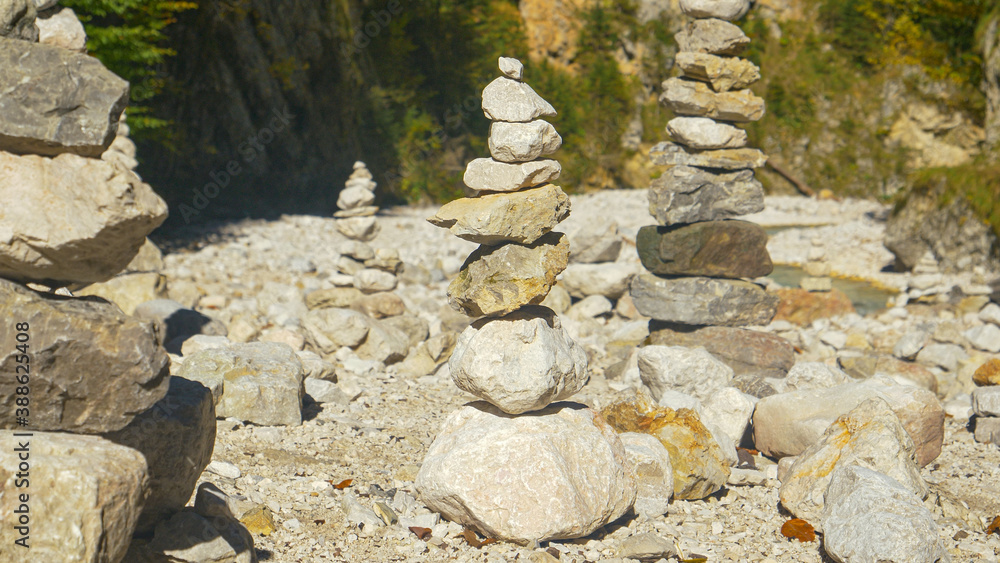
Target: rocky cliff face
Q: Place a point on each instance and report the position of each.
(990, 46)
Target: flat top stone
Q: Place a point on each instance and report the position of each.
(672, 154)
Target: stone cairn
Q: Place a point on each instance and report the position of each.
(99, 441)
(698, 253)
(357, 214)
(498, 465)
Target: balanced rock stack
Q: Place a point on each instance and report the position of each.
(699, 254)
(99, 441)
(494, 467)
(357, 214)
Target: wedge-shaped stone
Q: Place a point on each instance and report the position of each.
(722, 9)
(506, 99)
(520, 217)
(56, 101)
(684, 194)
(719, 249)
(71, 219)
(712, 36)
(690, 97)
(704, 133)
(92, 368)
(671, 154)
(723, 73)
(869, 435)
(84, 498)
(488, 175)
(496, 280)
(521, 142)
(558, 473)
(702, 301)
(519, 362)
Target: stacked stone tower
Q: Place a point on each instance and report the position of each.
(698, 254)
(498, 465)
(356, 218)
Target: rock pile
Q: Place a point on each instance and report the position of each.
(357, 214)
(518, 466)
(85, 389)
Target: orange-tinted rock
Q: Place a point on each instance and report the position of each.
(987, 374)
(802, 307)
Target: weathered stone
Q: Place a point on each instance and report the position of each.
(519, 362)
(987, 430)
(521, 217)
(521, 142)
(987, 374)
(984, 337)
(85, 497)
(486, 174)
(703, 133)
(653, 473)
(870, 435)
(176, 436)
(380, 305)
(788, 423)
(95, 368)
(559, 473)
(591, 244)
(370, 280)
(986, 401)
(57, 101)
(609, 279)
(944, 356)
(689, 370)
(355, 197)
(729, 409)
(331, 328)
(869, 516)
(723, 73)
(387, 260)
(591, 307)
(511, 68)
(720, 249)
(690, 97)
(506, 99)
(685, 194)
(870, 364)
(814, 375)
(722, 9)
(17, 20)
(712, 36)
(702, 301)
(61, 28)
(910, 344)
(672, 154)
(383, 343)
(753, 385)
(258, 382)
(647, 547)
(339, 297)
(496, 280)
(698, 464)
(802, 307)
(416, 329)
(71, 219)
(745, 351)
(358, 228)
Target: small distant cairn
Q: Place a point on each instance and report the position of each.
(698, 254)
(492, 467)
(356, 218)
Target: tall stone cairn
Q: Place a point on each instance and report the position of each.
(500, 464)
(356, 218)
(698, 254)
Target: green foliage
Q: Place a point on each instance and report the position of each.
(977, 182)
(128, 37)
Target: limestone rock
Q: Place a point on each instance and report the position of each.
(496, 280)
(788, 423)
(331, 328)
(609, 279)
(380, 305)
(176, 323)
(986, 401)
(689, 370)
(61, 28)
(128, 291)
(511, 68)
(521, 142)
(722, 9)
(86, 491)
(359, 228)
(17, 20)
(712, 36)
(57, 101)
(520, 217)
(71, 219)
(258, 382)
(486, 174)
(814, 375)
(984, 337)
(723, 73)
(383, 343)
(176, 436)
(745, 351)
(519, 362)
(685, 194)
(703, 133)
(653, 473)
(720, 249)
(355, 197)
(690, 97)
(339, 297)
(670, 154)
(870, 364)
(559, 473)
(870, 435)
(869, 516)
(506, 99)
(729, 409)
(590, 245)
(95, 368)
(698, 463)
(702, 301)
(987, 430)
(370, 280)
(357, 212)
